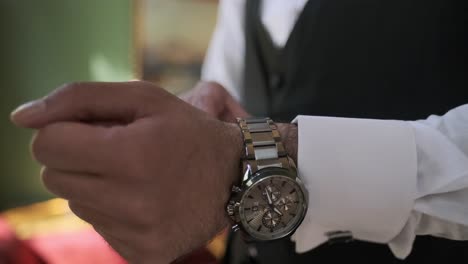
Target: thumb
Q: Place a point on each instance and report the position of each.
(85, 102)
(235, 108)
(211, 107)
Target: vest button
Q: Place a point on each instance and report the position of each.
(276, 81)
(253, 252)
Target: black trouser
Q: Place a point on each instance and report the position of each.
(426, 250)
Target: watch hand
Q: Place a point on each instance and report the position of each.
(270, 202)
(277, 211)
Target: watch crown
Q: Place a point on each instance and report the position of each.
(230, 208)
(235, 228)
(236, 189)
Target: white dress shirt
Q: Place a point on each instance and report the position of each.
(386, 181)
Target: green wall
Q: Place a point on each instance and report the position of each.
(42, 45)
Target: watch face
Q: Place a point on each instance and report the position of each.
(272, 207)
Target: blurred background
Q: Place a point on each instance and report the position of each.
(50, 42)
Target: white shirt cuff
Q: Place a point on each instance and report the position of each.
(360, 175)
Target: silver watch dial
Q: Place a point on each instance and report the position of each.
(272, 207)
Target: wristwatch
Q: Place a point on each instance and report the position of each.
(270, 200)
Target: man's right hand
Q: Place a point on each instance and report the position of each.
(212, 98)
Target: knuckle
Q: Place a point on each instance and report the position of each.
(46, 177)
(73, 207)
(81, 212)
(50, 181)
(116, 140)
(68, 90)
(77, 210)
(71, 88)
(78, 91)
(113, 137)
(38, 146)
(43, 142)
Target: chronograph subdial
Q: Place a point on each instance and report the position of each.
(271, 219)
(285, 203)
(271, 192)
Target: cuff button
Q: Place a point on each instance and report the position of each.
(335, 237)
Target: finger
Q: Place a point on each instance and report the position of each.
(98, 218)
(212, 107)
(121, 232)
(235, 108)
(120, 102)
(130, 244)
(110, 198)
(87, 189)
(77, 147)
(113, 233)
(208, 97)
(121, 247)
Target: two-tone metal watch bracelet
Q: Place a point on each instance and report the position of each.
(263, 146)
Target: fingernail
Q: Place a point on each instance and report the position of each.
(28, 110)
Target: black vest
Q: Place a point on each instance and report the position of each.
(386, 59)
(389, 59)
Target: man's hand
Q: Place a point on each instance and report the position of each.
(151, 173)
(215, 100)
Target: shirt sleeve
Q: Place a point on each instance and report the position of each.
(385, 181)
(224, 60)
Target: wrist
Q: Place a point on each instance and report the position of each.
(233, 150)
(271, 187)
(237, 150)
(288, 133)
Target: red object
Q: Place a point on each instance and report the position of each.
(13, 250)
(82, 247)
